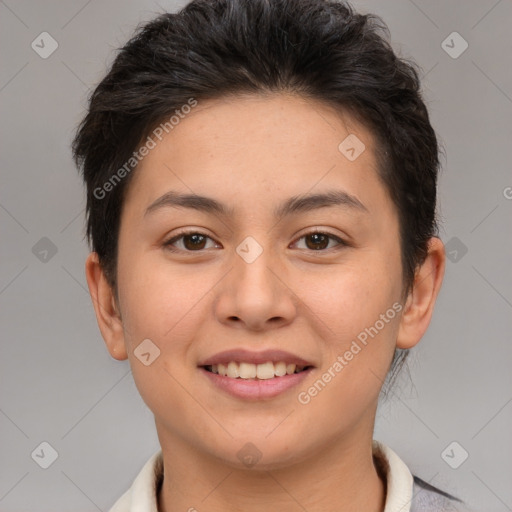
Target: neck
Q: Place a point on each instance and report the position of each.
(342, 477)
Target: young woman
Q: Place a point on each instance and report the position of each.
(261, 195)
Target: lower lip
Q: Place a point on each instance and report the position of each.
(256, 389)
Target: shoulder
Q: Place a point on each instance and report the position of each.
(142, 495)
(406, 492)
(427, 498)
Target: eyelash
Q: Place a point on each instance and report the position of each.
(168, 243)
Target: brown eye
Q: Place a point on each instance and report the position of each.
(319, 241)
(188, 242)
(195, 241)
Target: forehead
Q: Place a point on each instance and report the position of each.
(247, 145)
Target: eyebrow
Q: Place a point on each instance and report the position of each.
(295, 204)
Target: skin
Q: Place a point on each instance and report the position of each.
(252, 153)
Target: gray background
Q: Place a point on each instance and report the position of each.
(58, 384)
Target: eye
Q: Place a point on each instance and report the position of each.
(195, 241)
(189, 241)
(319, 241)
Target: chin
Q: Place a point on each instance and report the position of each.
(255, 453)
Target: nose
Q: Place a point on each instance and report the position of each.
(255, 295)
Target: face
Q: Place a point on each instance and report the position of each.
(260, 271)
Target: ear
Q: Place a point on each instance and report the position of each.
(105, 307)
(420, 302)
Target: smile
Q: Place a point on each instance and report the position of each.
(264, 371)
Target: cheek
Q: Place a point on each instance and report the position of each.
(357, 304)
(159, 298)
(165, 306)
(359, 327)
(352, 296)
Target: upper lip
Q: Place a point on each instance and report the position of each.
(247, 356)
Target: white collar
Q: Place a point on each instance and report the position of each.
(142, 495)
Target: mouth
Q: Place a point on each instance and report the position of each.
(250, 375)
(251, 371)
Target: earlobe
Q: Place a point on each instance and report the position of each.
(420, 302)
(105, 307)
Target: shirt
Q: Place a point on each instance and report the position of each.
(404, 492)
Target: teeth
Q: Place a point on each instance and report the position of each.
(247, 370)
(263, 371)
(280, 369)
(233, 371)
